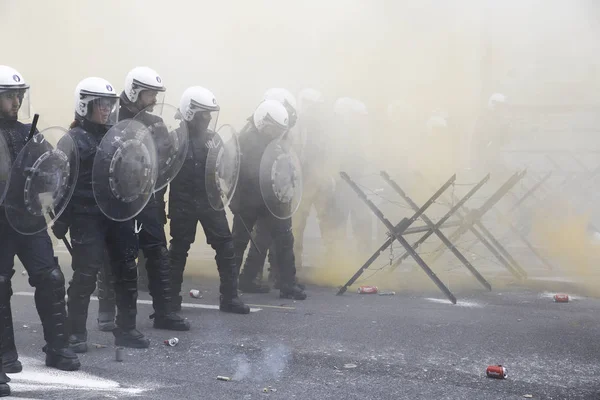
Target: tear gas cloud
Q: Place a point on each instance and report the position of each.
(420, 56)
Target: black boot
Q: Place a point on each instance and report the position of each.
(158, 266)
(8, 349)
(106, 298)
(50, 304)
(170, 321)
(292, 292)
(78, 342)
(177, 257)
(4, 388)
(249, 285)
(126, 292)
(81, 287)
(64, 358)
(131, 338)
(228, 274)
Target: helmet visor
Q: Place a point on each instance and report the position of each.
(14, 104)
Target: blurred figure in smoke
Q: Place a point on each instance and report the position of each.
(96, 111)
(189, 203)
(318, 175)
(143, 86)
(270, 121)
(34, 251)
(351, 137)
(313, 147)
(490, 135)
(251, 279)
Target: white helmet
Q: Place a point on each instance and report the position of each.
(12, 81)
(142, 78)
(309, 98)
(287, 99)
(271, 118)
(99, 90)
(495, 100)
(198, 99)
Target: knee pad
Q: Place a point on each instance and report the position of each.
(127, 272)
(156, 253)
(53, 278)
(225, 249)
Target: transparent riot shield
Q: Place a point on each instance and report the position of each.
(281, 178)
(125, 170)
(222, 167)
(170, 137)
(42, 181)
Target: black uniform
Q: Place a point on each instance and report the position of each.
(152, 241)
(36, 254)
(249, 211)
(188, 205)
(92, 233)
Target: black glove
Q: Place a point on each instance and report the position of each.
(60, 229)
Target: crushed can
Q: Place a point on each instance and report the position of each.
(561, 298)
(387, 293)
(172, 342)
(367, 289)
(496, 372)
(195, 293)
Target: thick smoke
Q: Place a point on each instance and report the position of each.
(420, 55)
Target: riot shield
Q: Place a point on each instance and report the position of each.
(281, 178)
(42, 181)
(125, 170)
(170, 138)
(222, 167)
(5, 165)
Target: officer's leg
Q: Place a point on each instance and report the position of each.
(122, 245)
(4, 379)
(158, 265)
(87, 238)
(218, 235)
(249, 279)
(183, 234)
(106, 296)
(8, 349)
(243, 224)
(299, 225)
(37, 256)
(281, 232)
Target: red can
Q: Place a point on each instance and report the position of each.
(561, 298)
(496, 371)
(367, 289)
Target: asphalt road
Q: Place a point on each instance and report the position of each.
(414, 345)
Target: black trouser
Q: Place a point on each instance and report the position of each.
(153, 243)
(267, 230)
(184, 221)
(37, 256)
(90, 236)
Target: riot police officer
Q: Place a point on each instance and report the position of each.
(250, 280)
(189, 204)
(143, 85)
(96, 110)
(270, 121)
(35, 251)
